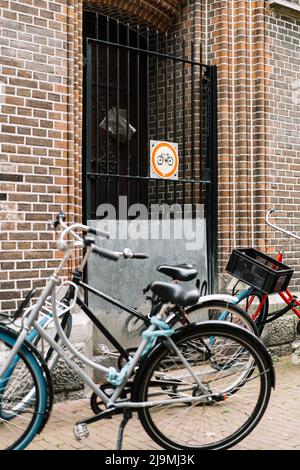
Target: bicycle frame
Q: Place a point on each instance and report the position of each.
(246, 293)
(98, 323)
(108, 401)
(30, 321)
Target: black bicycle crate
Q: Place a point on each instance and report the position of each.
(259, 270)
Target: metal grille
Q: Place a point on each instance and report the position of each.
(142, 85)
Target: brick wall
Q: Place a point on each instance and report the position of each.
(41, 72)
(283, 120)
(235, 43)
(259, 113)
(35, 139)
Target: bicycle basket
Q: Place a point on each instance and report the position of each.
(259, 270)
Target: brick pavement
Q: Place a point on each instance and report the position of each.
(279, 428)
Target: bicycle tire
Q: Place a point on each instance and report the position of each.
(179, 418)
(32, 375)
(48, 359)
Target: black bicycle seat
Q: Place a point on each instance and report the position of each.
(180, 272)
(175, 293)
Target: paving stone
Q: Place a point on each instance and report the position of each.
(279, 428)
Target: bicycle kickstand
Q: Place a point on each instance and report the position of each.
(127, 415)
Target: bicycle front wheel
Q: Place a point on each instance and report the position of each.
(204, 407)
(24, 400)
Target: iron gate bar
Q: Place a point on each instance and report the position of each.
(157, 72)
(183, 115)
(200, 110)
(193, 121)
(118, 111)
(86, 190)
(138, 107)
(111, 175)
(212, 226)
(128, 111)
(174, 108)
(156, 114)
(136, 49)
(166, 107)
(166, 85)
(107, 106)
(97, 103)
(148, 99)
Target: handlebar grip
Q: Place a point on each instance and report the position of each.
(60, 217)
(99, 233)
(140, 256)
(106, 253)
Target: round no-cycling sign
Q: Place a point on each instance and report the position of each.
(164, 160)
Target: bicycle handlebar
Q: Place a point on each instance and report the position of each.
(127, 253)
(60, 221)
(63, 245)
(286, 232)
(114, 256)
(99, 232)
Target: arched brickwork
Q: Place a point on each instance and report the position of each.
(155, 13)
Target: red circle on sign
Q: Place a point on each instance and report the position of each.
(154, 151)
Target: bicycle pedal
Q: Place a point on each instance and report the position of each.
(81, 431)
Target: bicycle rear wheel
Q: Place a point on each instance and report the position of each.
(231, 405)
(25, 401)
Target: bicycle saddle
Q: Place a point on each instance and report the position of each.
(175, 293)
(180, 272)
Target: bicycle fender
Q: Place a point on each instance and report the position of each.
(225, 297)
(42, 364)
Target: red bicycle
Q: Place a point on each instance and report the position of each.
(264, 276)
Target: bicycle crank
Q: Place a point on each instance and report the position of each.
(97, 404)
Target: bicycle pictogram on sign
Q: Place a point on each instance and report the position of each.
(164, 160)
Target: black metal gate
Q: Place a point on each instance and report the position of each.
(142, 85)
